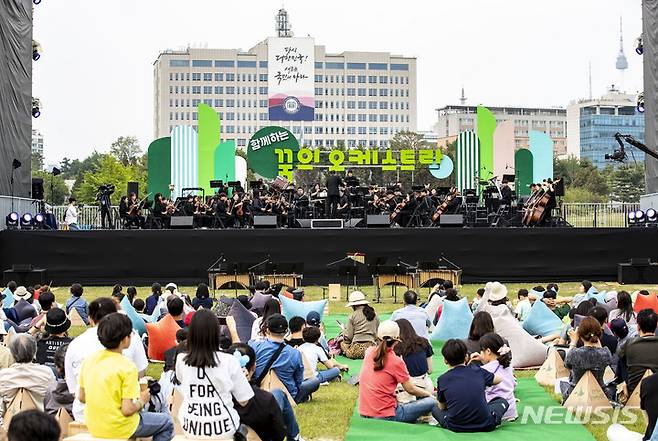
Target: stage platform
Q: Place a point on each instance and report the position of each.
(141, 257)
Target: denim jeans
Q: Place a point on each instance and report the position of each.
(292, 428)
(328, 375)
(410, 412)
(158, 425)
(73, 227)
(498, 406)
(306, 389)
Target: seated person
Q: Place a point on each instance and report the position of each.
(315, 354)
(33, 425)
(58, 395)
(171, 353)
(608, 340)
(415, 315)
(284, 360)
(140, 308)
(360, 331)
(56, 335)
(461, 393)
(482, 324)
(269, 414)
(590, 357)
(34, 378)
(381, 373)
(76, 301)
(523, 306)
(296, 338)
(175, 307)
(497, 357)
(477, 299)
(416, 352)
(560, 307)
(641, 353)
(110, 389)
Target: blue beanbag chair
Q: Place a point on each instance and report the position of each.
(541, 320)
(243, 320)
(8, 301)
(294, 308)
(599, 296)
(138, 323)
(455, 321)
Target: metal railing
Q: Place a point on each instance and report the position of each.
(609, 215)
(579, 215)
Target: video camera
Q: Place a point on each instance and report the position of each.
(105, 189)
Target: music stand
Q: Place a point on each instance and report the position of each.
(350, 271)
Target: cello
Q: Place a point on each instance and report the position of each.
(444, 206)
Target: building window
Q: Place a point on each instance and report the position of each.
(207, 90)
(362, 92)
(383, 92)
(219, 103)
(201, 63)
(195, 102)
(397, 66)
(262, 90)
(377, 66)
(356, 65)
(262, 77)
(334, 65)
(362, 79)
(372, 92)
(372, 79)
(362, 117)
(362, 104)
(372, 105)
(247, 63)
(230, 90)
(196, 76)
(196, 89)
(207, 77)
(383, 80)
(318, 64)
(224, 63)
(262, 63)
(219, 76)
(351, 79)
(372, 117)
(219, 90)
(351, 105)
(230, 103)
(383, 105)
(384, 118)
(179, 63)
(318, 91)
(230, 77)
(262, 103)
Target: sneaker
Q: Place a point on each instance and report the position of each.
(299, 438)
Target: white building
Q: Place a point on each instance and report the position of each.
(362, 98)
(453, 119)
(37, 142)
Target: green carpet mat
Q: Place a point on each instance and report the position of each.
(528, 392)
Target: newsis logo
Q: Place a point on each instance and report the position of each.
(581, 415)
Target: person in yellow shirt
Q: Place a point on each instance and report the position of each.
(110, 389)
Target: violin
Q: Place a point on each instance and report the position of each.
(398, 208)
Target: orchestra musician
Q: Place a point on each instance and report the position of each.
(134, 216)
(334, 184)
(162, 209)
(548, 186)
(344, 205)
(222, 211)
(301, 202)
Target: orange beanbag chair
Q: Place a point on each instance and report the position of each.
(162, 336)
(646, 302)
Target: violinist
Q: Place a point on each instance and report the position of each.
(134, 216)
(301, 202)
(343, 208)
(201, 213)
(222, 211)
(123, 207)
(236, 210)
(161, 209)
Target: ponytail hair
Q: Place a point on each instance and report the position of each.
(381, 351)
(369, 312)
(497, 345)
(590, 330)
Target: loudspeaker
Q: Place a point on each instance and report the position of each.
(182, 222)
(133, 187)
(304, 223)
(327, 223)
(633, 274)
(379, 221)
(558, 186)
(37, 188)
(354, 222)
(451, 220)
(264, 221)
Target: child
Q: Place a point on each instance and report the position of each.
(76, 301)
(58, 395)
(140, 307)
(477, 299)
(497, 357)
(111, 391)
(461, 394)
(314, 353)
(523, 307)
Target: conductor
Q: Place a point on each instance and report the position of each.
(334, 182)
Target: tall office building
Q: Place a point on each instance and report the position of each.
(594, 122)
(37, 142)
(361, 98)
(454, 119)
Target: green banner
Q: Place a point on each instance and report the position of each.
(159, 166)
(270, 147)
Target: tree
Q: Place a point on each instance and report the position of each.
(110, 171)
(37, 161)
(581, 194)
(127, 150)
(581, 173)
(627, 183)
(59, 189)
(407, 140)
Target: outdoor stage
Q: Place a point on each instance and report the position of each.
(141, 257)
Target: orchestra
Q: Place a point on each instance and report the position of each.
(343, 197)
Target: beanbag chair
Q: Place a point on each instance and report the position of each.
(8, 301)
(455, 321)
(526, 350)
(599, 296)
(610, 304)
(138, 323)
(259, 300)
(645, 302)
(243, 320)
(293, 308)
(24, 310)
(162, 336)
(541, 320)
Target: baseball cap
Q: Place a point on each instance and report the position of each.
(277, 324)
(619, 327)
(313, 319)
(388, 329)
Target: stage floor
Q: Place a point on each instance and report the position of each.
(141, 257)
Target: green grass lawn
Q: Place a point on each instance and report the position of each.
(327, 417)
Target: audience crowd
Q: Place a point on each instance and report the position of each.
(237, 365)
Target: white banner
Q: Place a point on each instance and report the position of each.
(291, 79)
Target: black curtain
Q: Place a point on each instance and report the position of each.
(15, 95)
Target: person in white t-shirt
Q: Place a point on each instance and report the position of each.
(315, 354)
(523, 307)
(87, 343)
(210, 381)
(71, 215)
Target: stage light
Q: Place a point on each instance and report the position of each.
(26, 221)
(36, 2)
(640, 217)
(640, 102)
(652, 216)
(12, 220)
(36, 107)
(36, 50)
(39, 221)
(639, 45)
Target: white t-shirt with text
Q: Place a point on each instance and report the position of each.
(314, 354)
